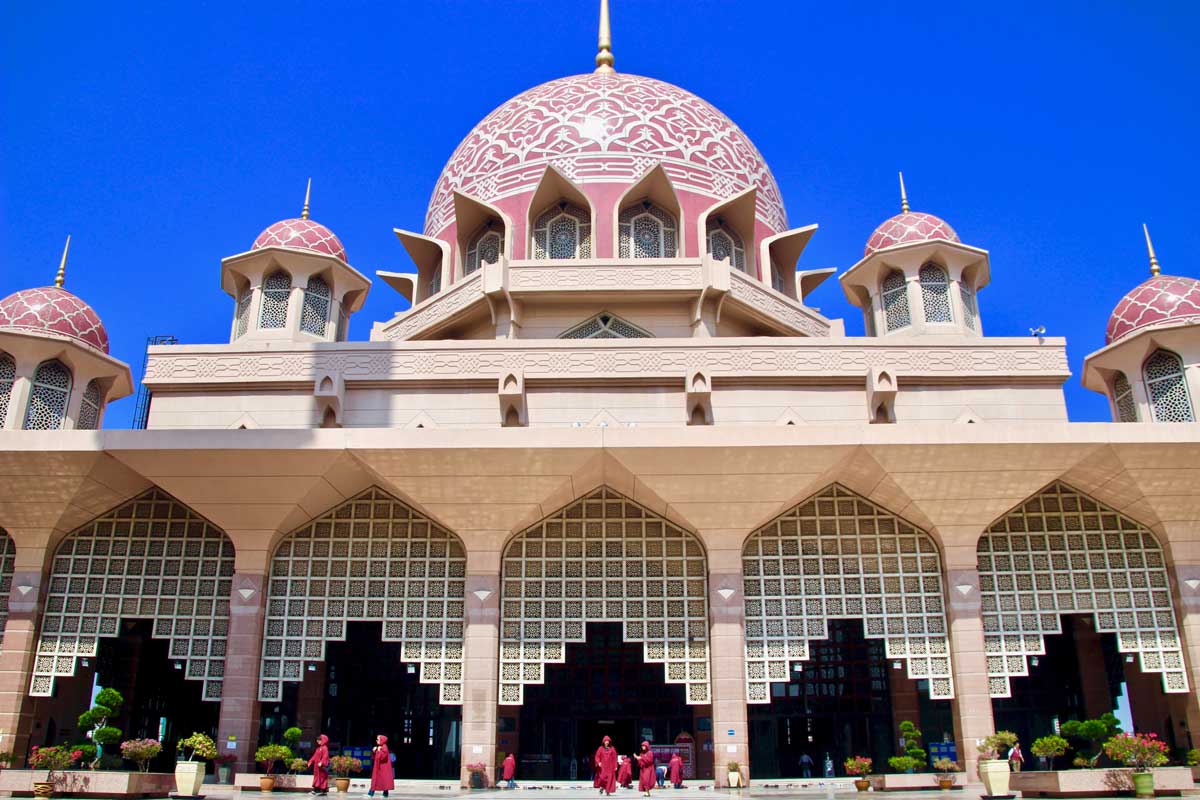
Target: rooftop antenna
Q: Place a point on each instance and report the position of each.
(604, 58)
(307, 195)
(1154, 268)
(61, 277)
(903, 196)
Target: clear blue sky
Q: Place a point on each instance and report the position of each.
(165, 136)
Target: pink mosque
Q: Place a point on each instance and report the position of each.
(609, 474)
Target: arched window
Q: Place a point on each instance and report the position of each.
(275, 291)
(725, 244)
(935, 293)
(970, 310)
(48, 400)
(89, 409)
(646, 231)
(242, 314)
(1123, 399)
(8, 374)
(895, 301)
(485, 248)
(315, 313)
(1167, 388)
(563, 231)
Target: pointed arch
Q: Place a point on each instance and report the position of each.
(1061, 552)
(556, 194)
(318, 300)
(935, 293)
(150, 558)
(838, 555)
(894, 292)
(1166, 387)
(48, 397)
(273, 311)
(726, 231)
(652, 199)
(8, 375)
(484, 232)
(604, 558)
(374, 559)
(1123, 402)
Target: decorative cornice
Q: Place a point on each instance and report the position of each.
(436, 310)
(776, 307)
(599, 276)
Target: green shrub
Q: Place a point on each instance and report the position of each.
(1090, 735)
(1049, 747)
(912, 744)
(270, 754)
(291, 737)
(902, 763)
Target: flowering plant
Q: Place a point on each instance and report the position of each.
(1138, 750)
(198, 747)
(53, 759)
(297, 765)
(140, 751)
(997, 745)
(478, 766)
(858, 765)
(343, 766)
(945, 768)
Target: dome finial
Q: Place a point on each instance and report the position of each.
(604, 58)
(307, 195)
(61, 277)
(1154, 268)
(903, 196)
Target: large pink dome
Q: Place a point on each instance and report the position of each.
(1160, 300)
(301, 234)
(54, 310)
(605, 128)
(909, 226)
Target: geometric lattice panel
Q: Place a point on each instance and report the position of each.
(8, 554)
(839, 556)
(1063, 553)
(151, 558)
(369, 559)
(604, 558)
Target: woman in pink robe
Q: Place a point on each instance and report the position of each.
(625, 773)
(510, 770)
(383, 777)
(646, 777)
(320, 766)
(605, 764)
(675, 770)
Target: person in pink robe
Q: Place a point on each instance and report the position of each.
(625, 773)
(383, 777)
(646, 777)
(605, 764)
(510, 770)
(675, 770)
(320, 766)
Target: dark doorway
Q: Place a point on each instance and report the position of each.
(839, 704)
(603, 689)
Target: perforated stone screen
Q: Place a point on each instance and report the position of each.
(151, 558)
(1060, 553)
(604, 558)
(833, 556)
(8, 554)
(370, 559)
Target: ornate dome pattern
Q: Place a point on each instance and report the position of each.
(1157, 301)
(56, 311)
(910, 226)
(301, 234)
(605, 128)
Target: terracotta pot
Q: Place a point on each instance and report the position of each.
(266, 783)
(342, 784)
(1143, 784)
(995, 774)
(945, 784)
(43, 789)
(188, 777)
(862, 784)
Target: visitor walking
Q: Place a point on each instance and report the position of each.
(625, 773)
(645, 769)
(320, 766)
(606, 767)
(828, 766)
(675, 767)
(510, 770)
(806, 765)
(383, 777)
(1015, 757)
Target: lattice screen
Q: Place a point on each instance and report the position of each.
(839, 556)
(370, 559)
(604, 558)
(151, 558)
(8, 555)
(1062, 552)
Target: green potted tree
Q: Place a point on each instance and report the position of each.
(1048, 748)
(95, 720)
(1141, 751)
(911, 735)
(291, 738)
(860, 768)
(902, 764)
(190, 755)
(945, 769)
(994, 770)
(1091, 734)
(269, 755)
(342, 768)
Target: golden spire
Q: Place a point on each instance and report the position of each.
(1154, 268)
(604, 58)
(903, 196)
(61, 277)
(307, 195)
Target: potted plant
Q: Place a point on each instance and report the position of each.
(478, 772)
(860, 768)
(296, 765)
(994, 770)
(6, 759)
(945, 773)
(1049, 748)
(911, 737)
(1092, 733)
(1142, 752)
(291, 738)
(95, 720)
(224, 764)
(269, 755)
(342, 768)
(56, 761)
(191, 753)
(902, 763)
(734, 774)
(140, 751)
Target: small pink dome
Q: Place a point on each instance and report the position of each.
(910, 226)
(1158, 301)
(56, 311)
(301, 234)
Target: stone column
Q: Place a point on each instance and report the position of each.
(972, 704)
(243, 653)
(19, 645)
(482, 663)
(727, 640)
(1186, 585)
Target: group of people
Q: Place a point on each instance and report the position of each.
(609, 769)
(383, 776)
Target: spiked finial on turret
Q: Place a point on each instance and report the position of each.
(61, 277)
(307, 195)
(1154, 268)
(604, 58)
(903, 196)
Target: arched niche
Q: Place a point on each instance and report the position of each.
(555, 189)
(653, 188)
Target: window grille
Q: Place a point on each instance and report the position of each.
(8, 375)
(1123, 399)
(1166, 386)
(275, 291)
(895, 301)
(563, 232)
(606, 326)
(485, 248)
(242, 313)
(315, 313)
(935, 293)
(47, 407)
(725, 244)
(646, 231)
(89, 408)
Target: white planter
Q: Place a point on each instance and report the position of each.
(189, 775)
(735, 780)
(995, 774)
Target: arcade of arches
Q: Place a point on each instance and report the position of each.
(602, 618)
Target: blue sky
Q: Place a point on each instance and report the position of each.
(164, 137)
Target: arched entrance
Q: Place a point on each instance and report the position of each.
(364, 634)
(608, 590)
(845, 635)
